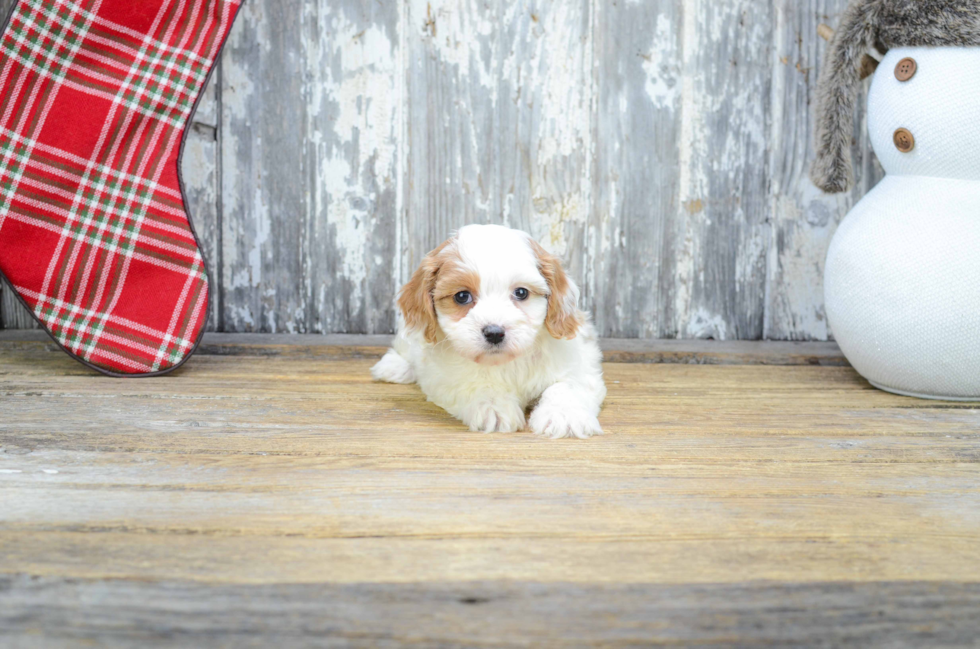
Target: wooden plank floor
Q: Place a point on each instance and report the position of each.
(269, 492)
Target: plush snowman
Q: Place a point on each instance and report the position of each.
(902, 283)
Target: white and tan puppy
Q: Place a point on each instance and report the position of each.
(491, 326)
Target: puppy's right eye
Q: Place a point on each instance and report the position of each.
(463, 298)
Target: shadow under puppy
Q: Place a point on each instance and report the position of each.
(490, 327)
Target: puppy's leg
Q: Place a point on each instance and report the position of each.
(393, 369)
(498, 414)
(569, 410)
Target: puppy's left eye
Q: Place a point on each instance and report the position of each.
(521, 294)
(463, 298)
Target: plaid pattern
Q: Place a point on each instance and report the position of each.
(94, 236)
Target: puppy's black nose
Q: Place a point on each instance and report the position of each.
(494, 334)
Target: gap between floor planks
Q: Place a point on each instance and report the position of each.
(709, 352)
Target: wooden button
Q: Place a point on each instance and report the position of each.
(904, 140)
(905, 69)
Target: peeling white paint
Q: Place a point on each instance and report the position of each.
(804, 219)
(263, 230)
(703, 324)
(798, 266)
(356, 96)
(693, 181)
(560, 217)
(242, 314)
(565, 125)
(661, 65)
(236, 85)
(453, 28)
(559, 77)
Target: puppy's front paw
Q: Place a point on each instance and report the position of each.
(564, 420)
(392, 368)
(495, 417)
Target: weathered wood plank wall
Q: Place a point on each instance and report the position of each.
(12, 314)
(660, 146)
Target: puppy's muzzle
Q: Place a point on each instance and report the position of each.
(494, 334)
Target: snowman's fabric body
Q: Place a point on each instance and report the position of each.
(903, 272)
(902, 283)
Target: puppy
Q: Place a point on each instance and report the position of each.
(490, 327)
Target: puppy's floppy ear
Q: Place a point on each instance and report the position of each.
(416, 301)
(564, 318)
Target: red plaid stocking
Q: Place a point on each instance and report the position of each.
(95, 98)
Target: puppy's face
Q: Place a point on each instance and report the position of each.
(489, 292)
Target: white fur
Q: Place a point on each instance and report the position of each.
(490, 389)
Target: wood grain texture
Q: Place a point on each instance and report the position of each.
(500, 614)
(660, 147)
(259, 469)
(201, 175)
(254, 495)
(639, 87)
(803, 219)
(499, 122)
(309, 153)
(13, 315)
(615, 350)
(713, 278)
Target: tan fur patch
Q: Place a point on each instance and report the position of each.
(453, 278)
(564, 318)
(417, 301)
